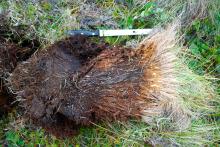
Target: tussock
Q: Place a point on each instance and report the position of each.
(76, 82)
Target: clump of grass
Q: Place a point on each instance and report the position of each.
(43, 21)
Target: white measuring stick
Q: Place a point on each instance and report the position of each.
(124, 32)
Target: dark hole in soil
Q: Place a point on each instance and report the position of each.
(62, 127)
(30, 46)
(5, 102)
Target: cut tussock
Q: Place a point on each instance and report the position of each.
(149, 82)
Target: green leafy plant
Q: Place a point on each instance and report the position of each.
(203, 40)
(14, 139)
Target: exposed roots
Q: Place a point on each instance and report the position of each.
(46, 84)
(7, 64)
(10, 55)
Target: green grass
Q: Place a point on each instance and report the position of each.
(47, 23)
(204, 40)
(43, 21)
